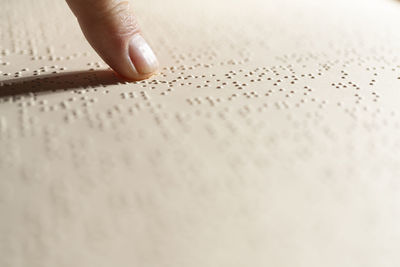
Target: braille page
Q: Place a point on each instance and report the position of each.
(269, 137)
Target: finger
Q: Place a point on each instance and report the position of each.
(111, 28)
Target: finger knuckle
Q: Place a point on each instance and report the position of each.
(120, 17)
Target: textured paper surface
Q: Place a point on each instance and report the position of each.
(270, 137)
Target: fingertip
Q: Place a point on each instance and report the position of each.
(111, 28)
(134, 77)
(142, 56)
(133, 61)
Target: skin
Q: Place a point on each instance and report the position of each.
(111, 28)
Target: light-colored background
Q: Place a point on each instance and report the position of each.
(271, 137)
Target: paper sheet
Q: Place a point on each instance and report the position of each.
(270, 137)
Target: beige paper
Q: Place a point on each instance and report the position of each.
(270, 137)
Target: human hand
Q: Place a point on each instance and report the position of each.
(111, 28)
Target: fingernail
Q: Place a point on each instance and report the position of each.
(142, 56)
